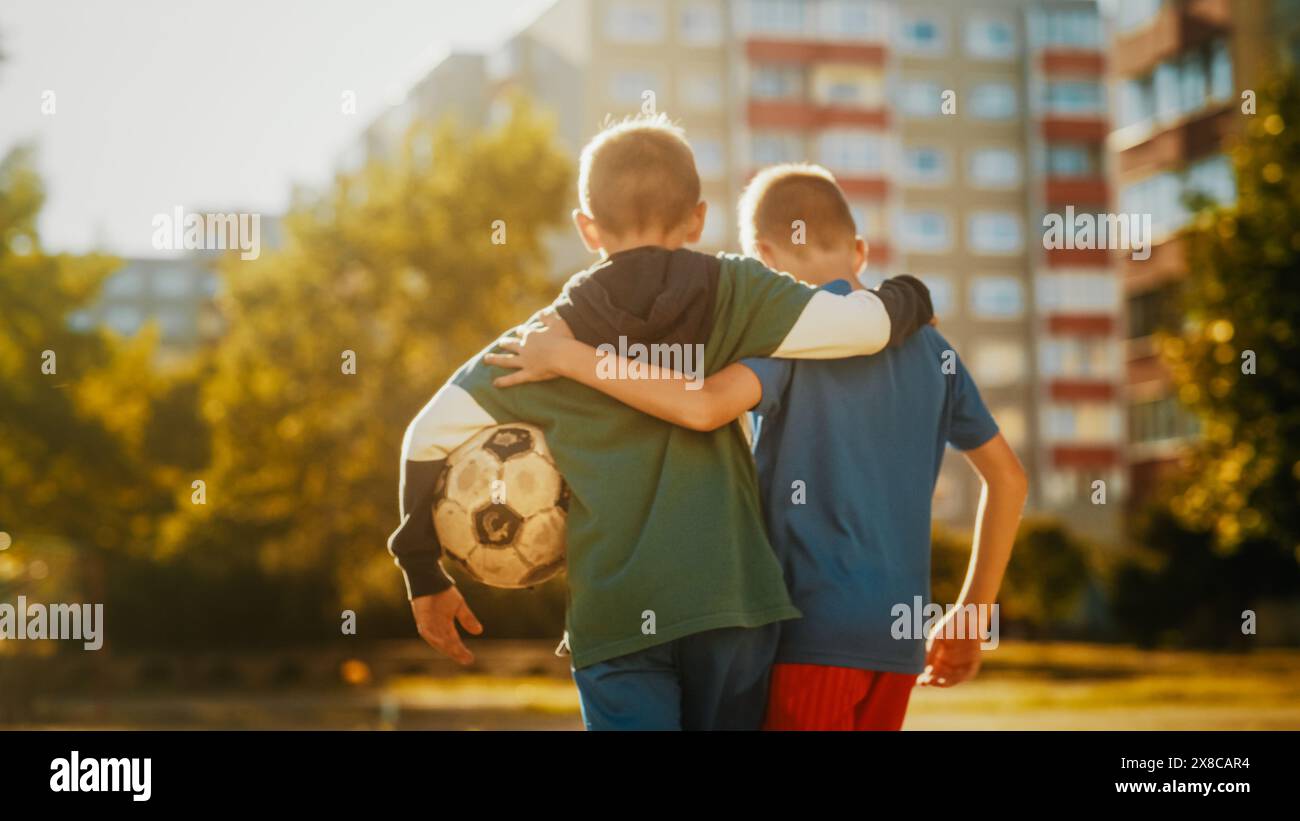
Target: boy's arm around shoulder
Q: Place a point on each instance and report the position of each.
(818, 324)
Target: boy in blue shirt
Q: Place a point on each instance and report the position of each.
(847, 453)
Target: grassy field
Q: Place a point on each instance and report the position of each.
(1022, 686)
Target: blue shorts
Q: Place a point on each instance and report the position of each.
(715, 680)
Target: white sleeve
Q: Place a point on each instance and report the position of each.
(449, 419)
(833, 327)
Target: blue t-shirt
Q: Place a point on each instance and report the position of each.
(865, 436)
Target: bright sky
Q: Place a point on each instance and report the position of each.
(208, 105)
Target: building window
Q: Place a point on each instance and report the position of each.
(995, 232)
(171, 283)
(777, 16)
(1011, 424)
(994, 168)
(851, 152)
(1133, 14)
(850, 19)
(1137, 101)
(1152, 311)
(1220, 72)
(997, 297)
(176, 322)
(125, 319)
(1078, 358)
(1091, 293)
(701, 91)
(1070, 28)
(926, 231)
(126, 284)
(942, 294)
(771, 82)
(1084, 422)
(1160, 420)
(628, 87)
(1071, 161)
(868, 218)
(635, 21)
(993, 101)
(1161, 196)
(999, 363)
(1074, 98)
(926, 165)
(991, 38)
(773, 148)
(700, 24)
(920, 98)
(1193, 79)
(1213, 177)
(921, 34)
(1178, 87)
(709, 158)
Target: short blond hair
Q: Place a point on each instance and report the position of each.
(637, 175)
(780, 195)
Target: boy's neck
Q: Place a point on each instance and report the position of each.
(650, 239)
(823, 269)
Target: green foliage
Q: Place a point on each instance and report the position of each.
(76, 405)
(1242, 481)
(394, 263)
(1177, 589)
(1049, 572)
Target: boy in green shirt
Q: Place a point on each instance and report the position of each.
(674, 591)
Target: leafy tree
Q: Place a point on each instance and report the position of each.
(386, 282)
(84, 416)
(1235, 362)
(1046, 579)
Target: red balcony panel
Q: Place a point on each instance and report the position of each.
(1077, 191)
(873, 188)
(1078, 257)
(1077, 129)
(798, 114)
(1081, 390)
(782, 114)
(1081, 324)
(1072, 61)
(1085, 456)
(878, 253)
(765, 50)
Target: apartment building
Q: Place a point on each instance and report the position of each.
(177, 294)
(1179, 69)
(953, 126)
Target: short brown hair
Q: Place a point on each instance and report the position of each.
(780, 195)
(639, 174)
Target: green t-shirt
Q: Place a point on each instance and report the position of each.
(665, 533)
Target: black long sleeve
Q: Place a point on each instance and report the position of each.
(414, 544)
(907, 300)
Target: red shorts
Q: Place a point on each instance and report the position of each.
(817, 697)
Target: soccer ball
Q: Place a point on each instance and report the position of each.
(501, 506)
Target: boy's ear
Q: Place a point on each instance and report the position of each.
(764, 250)
(860, 256)
(588, 230)
(695, 225)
